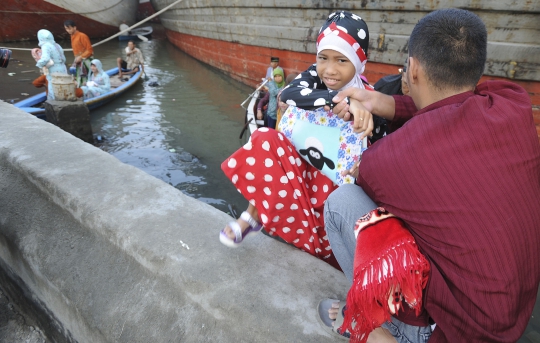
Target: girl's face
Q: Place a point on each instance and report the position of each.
(334, 69)
(278, 78)
(94, 68)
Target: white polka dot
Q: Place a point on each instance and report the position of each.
(325, 188)
(299, 231)
(304, 83)
(290, 220)
(290, 175)
(234, 178)
(356, 46)
(282, 193)
(306, 212)
(295, 196)
(319, 102)
(296, 240)
(328, 248)
(298, 161)
(280, 152)
(251, 189)
(317, 250)
(252, 202)
(315, 173)
(248, 146)
(272, 230)
(307, 246)
(306, 91)
(294, 207)
(268, 178)
(320, 240)
(362, 34)
(239, 191)
(263, 129)
(297, 192)
(325, 238)
(286, 230)
(291, 102)
(315, 188)
(313, 72)
(279, 206)
(313, 201)
(305, 223)
(267, 191)
(231, 163)
(309, 175)
(265, 204)
(268, 162)
(280, 136)
(311, 239)
(266, 146)
(276, 219)
(264, 218)
(317, 214)
(300, 179)
(250, 161)
(284, 179)
(250, 176)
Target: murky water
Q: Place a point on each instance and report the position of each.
(179, 131)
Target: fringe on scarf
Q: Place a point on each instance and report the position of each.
(389, 272)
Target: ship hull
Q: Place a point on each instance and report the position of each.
(238, 37)
(98, 18)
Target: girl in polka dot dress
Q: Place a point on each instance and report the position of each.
(286, 194)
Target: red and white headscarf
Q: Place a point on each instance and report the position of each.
(347, 34)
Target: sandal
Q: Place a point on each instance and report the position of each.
(324, 306)
(253, 228)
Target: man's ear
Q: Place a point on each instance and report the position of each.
(412, 70)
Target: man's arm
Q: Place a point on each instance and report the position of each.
(87, 46)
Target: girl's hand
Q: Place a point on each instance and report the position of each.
(352, 172)
(363, 119)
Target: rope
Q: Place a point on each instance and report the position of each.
(117, 34)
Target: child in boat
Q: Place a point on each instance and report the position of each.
(270, 98)
(286, 194)
(98, 81)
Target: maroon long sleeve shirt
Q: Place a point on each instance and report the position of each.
(464, 175)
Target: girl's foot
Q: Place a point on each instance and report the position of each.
(234, 233)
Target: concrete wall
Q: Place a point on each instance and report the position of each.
(96, 246)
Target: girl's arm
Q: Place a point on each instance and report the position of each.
(308, 91)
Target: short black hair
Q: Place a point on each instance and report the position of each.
(69, 23)
(451, 45)
(132, 41)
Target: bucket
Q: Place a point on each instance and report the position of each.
(63, 86)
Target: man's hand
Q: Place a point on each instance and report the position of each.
(259, 115)
(78, 59)
(374, 102)
(352, 172)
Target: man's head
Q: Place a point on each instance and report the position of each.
(451, 46)
(274, 62)
(131, 45)
(70, 26)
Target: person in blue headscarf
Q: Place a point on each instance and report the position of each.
(52, 58)
(98, 81)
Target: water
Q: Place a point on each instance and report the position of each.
(180, 131)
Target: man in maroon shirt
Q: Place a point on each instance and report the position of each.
(463, 173)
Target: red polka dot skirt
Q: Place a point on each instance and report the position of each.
(288, 192)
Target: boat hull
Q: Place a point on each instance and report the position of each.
(100, 18)
(238, 37)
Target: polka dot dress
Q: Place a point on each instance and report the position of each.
(288, 192)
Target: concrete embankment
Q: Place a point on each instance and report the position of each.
(106, 253)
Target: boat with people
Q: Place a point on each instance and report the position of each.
(239, 37)
(100, 18)
(34, 104)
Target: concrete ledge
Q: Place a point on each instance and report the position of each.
(97, 245)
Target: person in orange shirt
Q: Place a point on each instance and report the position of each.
(83, 51)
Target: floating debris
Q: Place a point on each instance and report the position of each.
(153, 84)
(25, 94)
(11, 74)
(184, 245)
(172, 150)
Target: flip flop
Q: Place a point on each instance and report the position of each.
(253, 228)
(324, 306)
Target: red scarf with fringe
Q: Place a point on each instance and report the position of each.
(388, 271)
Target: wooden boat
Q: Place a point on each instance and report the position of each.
(134, 34)
(21, 20)
(33, 105)
(238, 37)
